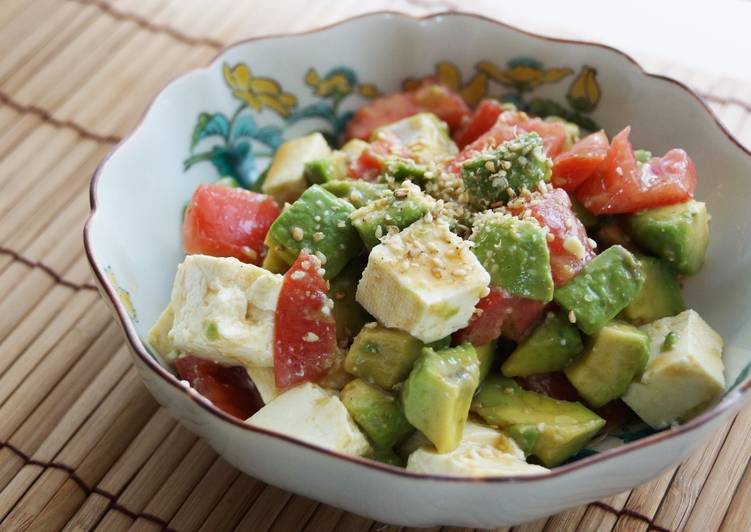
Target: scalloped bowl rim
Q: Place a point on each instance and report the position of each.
(138, 347)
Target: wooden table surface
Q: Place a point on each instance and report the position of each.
(82, 444)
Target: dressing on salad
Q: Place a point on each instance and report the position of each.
(452, 291)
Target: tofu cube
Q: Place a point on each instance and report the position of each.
(224, 310)
(424, 280)
(684, 373)
(285, 180)
(483, 451)
(159, 338)
(314, 415)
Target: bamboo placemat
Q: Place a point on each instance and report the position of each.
(82, 444)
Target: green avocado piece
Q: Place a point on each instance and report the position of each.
(355, 191)
(443, 343)
(348, 313)
(319, 223)
(382, 356)
(325, 169)
(377, 412)
(615, 355)
(525, 436)
(402, 169)
(515, 254)
(387, 456)
(486, 355)
(603, 288)
(399, 209)
(274, 262)
(499, 175)
(642, 156)
(659, 297)
(553, 345)
(677, 233)
(563, 427)
(438, 393)
(425, 136)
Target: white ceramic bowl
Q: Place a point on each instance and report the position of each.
(133, 235)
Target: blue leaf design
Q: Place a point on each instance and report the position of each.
(209, 125)
(236, 161)
(341, 122)
(740, 378)
(316, 110)
(245, 126)
(271, 136)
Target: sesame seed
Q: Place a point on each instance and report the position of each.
(370, 325)
(318, 236)
(571, 316)
(489, 166)
(550, 237)
(297, 233)
(401, 193)
(437, 273)
(250, 252)
(569, 223)
(592, 243)
(310, 336)
(321, 257)
(574, 246)
(341, 223)
(378, 231)
(297, 275)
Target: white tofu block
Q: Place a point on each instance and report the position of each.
(265, 383)
(224, 310)
(312, 414)
(159, 338)
(482, 452)
(680, 379)
(424, 280)
(285, 180)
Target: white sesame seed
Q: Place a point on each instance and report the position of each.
(297, 233)
(321, 257)
(318, 236)
(571, 316)
(310, 336)
(296, 276)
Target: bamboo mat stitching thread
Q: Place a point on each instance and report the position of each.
(629, 513)
(112, 499)
(46, 269)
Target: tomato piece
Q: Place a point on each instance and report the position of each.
(553, 134)
(554, 385)
(431, 97)
(571, 168)
(500, 312)
(371, 161)
(616, 415)
(304, 329)
(621, 185)
(228, 387)
(482, 119)
(553, 210)
(228, 222)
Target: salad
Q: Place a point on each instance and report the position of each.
(454, 291)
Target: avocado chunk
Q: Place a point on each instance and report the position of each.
(677, 233)
(387, 456)
(382, 356)
(355, 191)
(525, 436)
(563, 427)
(274, 262)
(319, 223)
(486, 355)
(515, 254)
(603, 288)
(499, 175)
(425, 136)
(377, 412)
(397, 209)
(659, 297)
(684, 374)
(285, 180)
(552, 346)
(326, 169)
(348, 314)
(438, 393)
(615, 355)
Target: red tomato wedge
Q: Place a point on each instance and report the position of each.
(574, 166)
(554, 385)
(497, 313)
(482, 119)
(304, 329)
(621, 185)
(228, 222)
(228, 387)
(553, 210)
(369, 164)
(430, 97)
(507, 126)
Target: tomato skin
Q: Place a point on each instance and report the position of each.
(500, 313)
(574, 166)
(554, 385)
(431, 97)
(228, 222)
(228, 387)
(621, 185)
(304, 329)
(553, 210)
(371, 161)
(482, 119)
(553, 134)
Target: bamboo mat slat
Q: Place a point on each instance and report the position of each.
(83, 446)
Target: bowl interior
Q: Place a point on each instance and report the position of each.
(228, 117)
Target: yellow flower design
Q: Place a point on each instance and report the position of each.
(448, 74)
(523, 74)
(584, 92)
(338, 83)
(257, 92)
